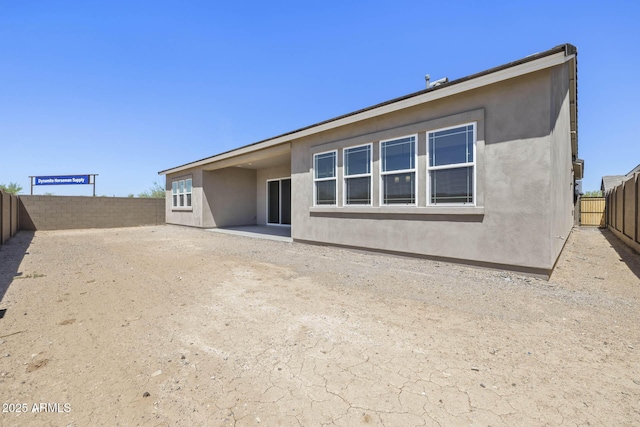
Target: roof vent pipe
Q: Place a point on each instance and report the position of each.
(437, 82)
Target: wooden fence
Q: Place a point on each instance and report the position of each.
(623, 211)
(592, 211)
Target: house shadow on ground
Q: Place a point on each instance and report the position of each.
(626, 254)
(11, 255)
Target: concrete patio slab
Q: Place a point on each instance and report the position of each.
(269, 232)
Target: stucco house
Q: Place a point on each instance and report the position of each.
(479, 170)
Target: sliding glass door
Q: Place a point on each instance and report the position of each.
(279, 201)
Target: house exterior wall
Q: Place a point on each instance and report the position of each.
(229, 197)
(524, 206)
(513, 223)
(190, 217)
(262, 176)
(224, 197)
(561, 188)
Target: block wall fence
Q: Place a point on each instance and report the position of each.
(9, 216)
(75, 212)
(623, 211)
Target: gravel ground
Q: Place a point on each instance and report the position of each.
(182, 327)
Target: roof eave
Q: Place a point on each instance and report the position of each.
(532, 63)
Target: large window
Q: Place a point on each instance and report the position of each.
(181, 193)
(325, 181)
(357, 175)
(451, 165)
(398, 171)
(450, 178)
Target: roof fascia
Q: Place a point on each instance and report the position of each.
(449, 90)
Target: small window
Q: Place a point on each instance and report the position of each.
(188, 191)
(357, 175)
(451, 165)
(181, 193)
(398, 171)
(174, 193)
(325, 182)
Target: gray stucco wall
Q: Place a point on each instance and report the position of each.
(220, 198)
(229, 197)
(561, 186)
(183, 216)
(514, 183)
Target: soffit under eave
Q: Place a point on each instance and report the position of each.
(278, 152)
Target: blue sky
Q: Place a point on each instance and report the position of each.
(125, 89)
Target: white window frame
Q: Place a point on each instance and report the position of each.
(181, 193)
(394, 172)
(345, 177)
(174, 194)
(473, 164)
(188, 201)
(175, 191)
(334, 178)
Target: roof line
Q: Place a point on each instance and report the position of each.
(568, 49)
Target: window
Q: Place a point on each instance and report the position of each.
(357, 175)
(174, 193)
(451, 165)
(181, 193)
(398, 171)
(188, 191)
(325, 182)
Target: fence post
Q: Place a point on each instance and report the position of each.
(612, 196)
(608, 209)
(636, 208)
(1, 216)
(624, 208)
(617, 226)
(613, 208)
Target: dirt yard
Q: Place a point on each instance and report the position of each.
(170, 326)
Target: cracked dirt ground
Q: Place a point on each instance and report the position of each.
(225, 330)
